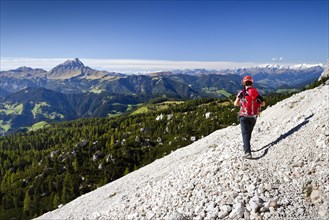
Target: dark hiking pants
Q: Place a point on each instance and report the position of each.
(247, 125)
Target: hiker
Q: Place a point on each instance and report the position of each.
(250, 102)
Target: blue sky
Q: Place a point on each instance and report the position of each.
(203, 31)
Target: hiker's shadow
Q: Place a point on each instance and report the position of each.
(283, 136)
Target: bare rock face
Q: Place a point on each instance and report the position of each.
(75, 68)
(286, 179)
(325, 73)
(68, 69)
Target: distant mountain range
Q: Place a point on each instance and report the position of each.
(73, 76)
(72, 90)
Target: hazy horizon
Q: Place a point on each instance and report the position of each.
(133, 65)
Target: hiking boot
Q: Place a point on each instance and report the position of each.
(247, 156)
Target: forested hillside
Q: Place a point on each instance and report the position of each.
(45, 168)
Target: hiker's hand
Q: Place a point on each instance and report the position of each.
(240, 95)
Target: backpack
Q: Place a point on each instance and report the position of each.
(250, 103)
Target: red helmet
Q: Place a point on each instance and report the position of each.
(246, 79)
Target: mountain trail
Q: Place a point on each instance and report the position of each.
(288, 178)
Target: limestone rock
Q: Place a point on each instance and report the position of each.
(238, 211)
(315, 196)
(224, 211)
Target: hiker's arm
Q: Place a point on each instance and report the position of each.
(237, 101)
(261, 100)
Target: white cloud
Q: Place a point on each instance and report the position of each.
(277, 58)
(160, 65)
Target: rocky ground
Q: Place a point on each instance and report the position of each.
(287, 179)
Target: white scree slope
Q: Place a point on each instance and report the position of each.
(288, 179)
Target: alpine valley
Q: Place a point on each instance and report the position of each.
(32, 98)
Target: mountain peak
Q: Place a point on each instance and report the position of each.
(24, 72)
(23, 69)
(26, 69)
(75, 68)
(76, 63)
(68, 69)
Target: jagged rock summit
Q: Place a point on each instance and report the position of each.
(73, 64)
(68, 65)
(68, 69)
(75, 68)
(287, 179)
